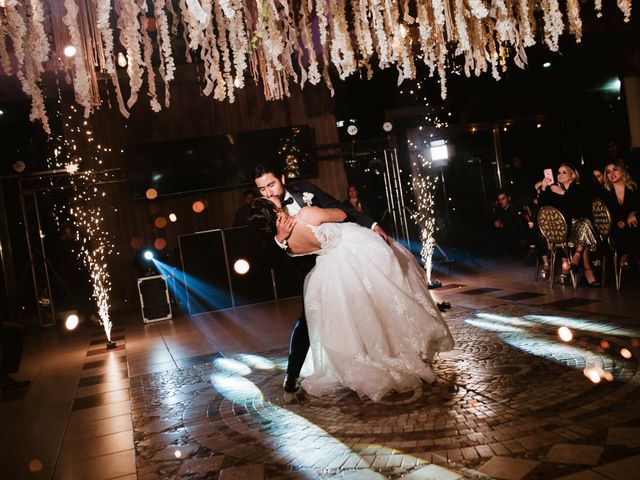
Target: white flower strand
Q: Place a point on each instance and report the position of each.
(575, 22)
(17, 30)
(148, 51)
(597, 6)
(106, 33)
(553, 24)
(164, 40)
(269, 36)
(131, 38)
(40, 48)
(525, 24)
(478, 9)
(625, 8)
(81, 85)
(5, 60)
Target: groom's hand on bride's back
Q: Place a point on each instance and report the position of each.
(378, 229)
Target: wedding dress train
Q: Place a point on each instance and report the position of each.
(372, 321)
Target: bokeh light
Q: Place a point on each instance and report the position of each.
(151, 193)
(160, 243)
(35, 465)
(198, 206)
(241, 266)
(69, 51)
(565, 334)
(592, 374)
(173, 217)
(160, 222)
(626, 353)
(136, 243)
(71, 322)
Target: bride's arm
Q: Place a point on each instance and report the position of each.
(318, 216)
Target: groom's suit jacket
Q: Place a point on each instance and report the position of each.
(318, 198)
(323, 200)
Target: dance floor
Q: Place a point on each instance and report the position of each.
(201, 397)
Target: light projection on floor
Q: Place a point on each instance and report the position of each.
(535, 334)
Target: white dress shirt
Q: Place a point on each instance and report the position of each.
(293, 209)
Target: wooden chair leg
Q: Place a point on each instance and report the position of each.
(617, 270)
(574, 279)
(552, 271)
(604, 270)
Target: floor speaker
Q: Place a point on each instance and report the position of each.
(206, 277)
(154, 298)
(249, 271)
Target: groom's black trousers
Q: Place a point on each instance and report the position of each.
(298, 346)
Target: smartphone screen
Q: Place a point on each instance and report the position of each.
(548, 173)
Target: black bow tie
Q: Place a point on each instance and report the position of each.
(287, 201)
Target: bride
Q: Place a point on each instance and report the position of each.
(372, 322)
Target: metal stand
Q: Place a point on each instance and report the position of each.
(30, 187)
(37, 258)
(395, 196)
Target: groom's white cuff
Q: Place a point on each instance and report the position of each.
(283, 246)
(372, 226)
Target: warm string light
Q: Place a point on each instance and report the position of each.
(290, 153)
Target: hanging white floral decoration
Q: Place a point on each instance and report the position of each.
(277, 43)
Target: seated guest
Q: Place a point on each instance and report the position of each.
(509, 226)
(574, 202)
(242, 213)
(623, 202)
(597, 183)
(353, 199)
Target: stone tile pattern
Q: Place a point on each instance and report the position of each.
(490, 399)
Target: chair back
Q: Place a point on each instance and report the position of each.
(601, 217)
(552, 224)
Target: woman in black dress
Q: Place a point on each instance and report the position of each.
(623, 202)
(574, 202)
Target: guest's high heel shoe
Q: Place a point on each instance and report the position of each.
(595, 283)
(575, 263)
(544, 272)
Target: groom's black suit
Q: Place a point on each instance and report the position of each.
(300, 336)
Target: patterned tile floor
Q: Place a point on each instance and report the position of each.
(201, 397)
(511, 401)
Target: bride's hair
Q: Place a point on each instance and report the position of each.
(262, 217)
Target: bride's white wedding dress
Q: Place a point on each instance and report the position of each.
(372, 321)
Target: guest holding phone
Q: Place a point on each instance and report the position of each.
(574, 202)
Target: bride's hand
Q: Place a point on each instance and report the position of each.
(381, 232)
(284, 226)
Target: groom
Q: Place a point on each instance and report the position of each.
(271, 184)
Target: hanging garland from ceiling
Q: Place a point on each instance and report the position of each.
(276, 43)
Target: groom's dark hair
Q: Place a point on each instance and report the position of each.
(267, 167)
(262, 217)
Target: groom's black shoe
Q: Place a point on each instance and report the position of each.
(290, 384)
(443, 306)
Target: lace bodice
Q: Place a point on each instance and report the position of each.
(328, 234)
